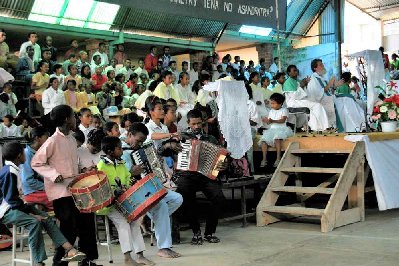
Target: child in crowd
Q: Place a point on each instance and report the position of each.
(89, 154)
(53, 96)
(8, 128)
(158, 132)
(87, 97)
(278, 131)
(79, 137)
(112, 129)
(127, 121)
(170, 118)
(15, 211)
(86, 120)
(153, 77)
(57, 162)
(7, 88)
(104, 98)
(73, 75)
(132, 83)
(97, 122)
(280, 78)
(120, 178)
(71, 96)
(32, 182)
(140, 102)
(58, 73)
(4, 104)
(41, 79)
(165, 89)
(25, 128)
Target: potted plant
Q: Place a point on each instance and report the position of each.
(386, 113)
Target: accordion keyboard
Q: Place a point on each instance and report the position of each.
(183, 158)
(139, 157)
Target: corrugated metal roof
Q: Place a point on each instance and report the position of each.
(16, 8)
(379, 9)
(136, 19)
(309, 12)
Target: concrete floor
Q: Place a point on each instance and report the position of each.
(373, 242)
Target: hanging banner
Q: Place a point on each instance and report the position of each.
(260, 13)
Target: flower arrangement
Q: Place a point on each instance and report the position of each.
(387, 110)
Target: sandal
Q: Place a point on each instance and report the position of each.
(212, 239)
(77, 256)
(197, 239)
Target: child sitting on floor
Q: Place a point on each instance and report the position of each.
(14, 211)
(278, 131)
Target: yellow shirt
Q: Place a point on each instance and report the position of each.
(166, 92)
(73, 100)
(84, 99)
(41, 81)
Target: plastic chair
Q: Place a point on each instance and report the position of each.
(299, 111)
(21, 238)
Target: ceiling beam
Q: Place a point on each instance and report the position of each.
(298, 18)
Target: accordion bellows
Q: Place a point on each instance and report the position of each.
(201, 156)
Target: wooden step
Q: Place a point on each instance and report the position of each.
(295, 210)
(308, 151)
(305, 190)
(312, 170)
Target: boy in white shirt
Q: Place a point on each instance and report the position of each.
(53, 96)
(58, 73)
(8, 129)
(86, 120)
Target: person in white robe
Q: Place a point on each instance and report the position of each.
(319, 90)
(296, 97)
(187, 98)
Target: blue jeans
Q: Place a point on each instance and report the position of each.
(35, 227)
(160, 215)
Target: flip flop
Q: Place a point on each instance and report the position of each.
(78, 256)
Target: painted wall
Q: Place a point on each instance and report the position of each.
(303, 56)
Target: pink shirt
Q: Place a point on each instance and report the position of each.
(57, 156)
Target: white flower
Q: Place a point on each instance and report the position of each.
(383, 109)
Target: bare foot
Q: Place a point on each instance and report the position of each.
(168, 253)
(143, 260)
(131, 262)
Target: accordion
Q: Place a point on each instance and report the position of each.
(147, 157)
(201, 156)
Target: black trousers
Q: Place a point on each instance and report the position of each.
(74, 224)
(187, 186)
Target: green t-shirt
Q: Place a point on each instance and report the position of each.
(290, 84)
(395, 64)
(343, 89)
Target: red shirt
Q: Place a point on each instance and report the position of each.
(150, 62)
(99, 80)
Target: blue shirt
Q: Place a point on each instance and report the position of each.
(31, 180)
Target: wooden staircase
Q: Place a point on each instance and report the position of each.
(330, 186)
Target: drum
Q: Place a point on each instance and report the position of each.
(141, 197)
(91, 191)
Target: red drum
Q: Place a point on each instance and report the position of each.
(91, 191)
(141, 197)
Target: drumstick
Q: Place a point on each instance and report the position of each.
(95, 169)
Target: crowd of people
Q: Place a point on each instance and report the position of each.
(93, 112)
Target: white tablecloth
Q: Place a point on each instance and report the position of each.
(383, 159)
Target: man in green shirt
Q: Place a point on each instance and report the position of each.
(296, 96)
